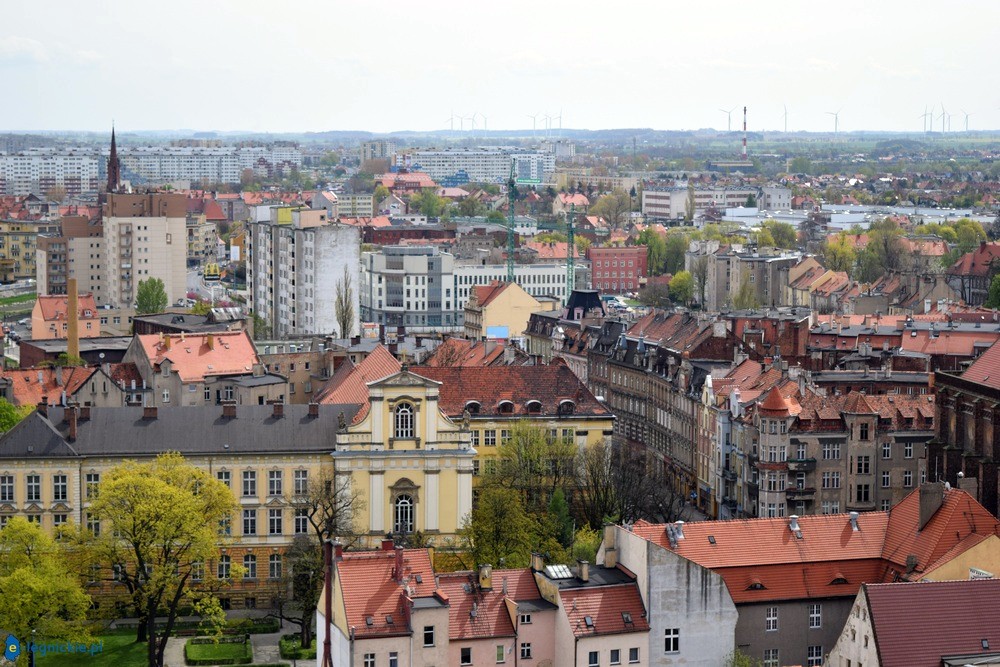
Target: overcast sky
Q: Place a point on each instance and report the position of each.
(335, 65)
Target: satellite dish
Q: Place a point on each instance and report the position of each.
(961, 474)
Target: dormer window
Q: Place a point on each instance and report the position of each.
(533, 407)
(566, 407)
(506, 407)
(473, 407)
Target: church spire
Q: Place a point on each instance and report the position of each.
(114, 165)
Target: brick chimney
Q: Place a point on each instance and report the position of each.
(43, 406)
(85, 413)
(931, 499)
(210, 341)
(583, 570)
(314, 409)
(387, 544)
(229, 410)
(278, 409)
(71, 418)
(398, 568)
(149, 413)
(73, 317)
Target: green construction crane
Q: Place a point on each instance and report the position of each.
(511, 191)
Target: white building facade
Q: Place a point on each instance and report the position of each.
(484, 165)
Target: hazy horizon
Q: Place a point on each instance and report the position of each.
(241, 67)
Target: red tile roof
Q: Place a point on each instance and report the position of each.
(197, 356)
(551, 250)
(487, 293)
(575, 199)
(776, 405)
(462, 352)
(985, 369)
(369, 589)
(26, 389)
(349, 383)
(474, 613)
(979, 262)
(916, 624)
(55, 307)
(604, 606)
(550, 385)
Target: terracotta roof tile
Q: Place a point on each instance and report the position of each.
(604, 605)
(550, 385)
(985, 369)
(349, 383)
(369, 590)
(474, 613)
(916, 624)
(26, 388)
(55, 307)
(197, 356)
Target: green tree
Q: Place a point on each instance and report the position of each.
(330, 159)
(740, 659)
(160, 526)
(884, 251)
(656, 295)
(496, 217)
(656, 251)
(689, 207)
(201, 308)
(699, 271)
(751, 201)
(470, 207)
(261, 327)
(381, 192)
(783, 233)
(682, 287)
(150, 296)
(559, 512)
(746, 297)
(839, 254)
(674, 251)
(993, 298)
(343, 306)
(764, 238)
(613, 207)
(499, 528)
(428, 203)
(534, 462)
(38, 592)
(800, 165)
(11, 415)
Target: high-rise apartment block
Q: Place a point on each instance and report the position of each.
(145, 236)
(455, 166)
(75, 251)
(380, 149)
(297, 262)
(40, 170)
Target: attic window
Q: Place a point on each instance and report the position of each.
(627, 618)
(473, 407)
(711, 539)
(589, 621)
(838, 580)
(566, 407)
(388, 619)
(756, 585)
(419, 578)
(534, 407)
(369, 621)
(506, 407)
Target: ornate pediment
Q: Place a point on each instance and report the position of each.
(405, 378)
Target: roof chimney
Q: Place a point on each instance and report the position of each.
(229, 409)
(387, 544)
(85, 413)
(149, 413)
(931, 498)
(73, 312)
(679, 529)
(70, 415)
(210, 341)
(793, 523)
(486, 577)
(43, 406)
(338, 551)
(314, 409)
(398, 569)
(537, 562)
(278, 409)
(854, 521)
(59, 377)
(583, 570)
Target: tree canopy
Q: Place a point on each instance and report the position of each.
(11, 414)
(613, 207)
(150, 296)
(159, 526)
(682, 287)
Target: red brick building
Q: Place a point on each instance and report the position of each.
(617, 269)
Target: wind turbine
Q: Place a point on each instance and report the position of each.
(943, 117)
(729, 118)
(836, 119)
(548, 126)
(451, 121)
(534, 119)
(967, 114)
(473, 119)
(923, 118)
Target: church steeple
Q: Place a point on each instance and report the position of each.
(114, 165)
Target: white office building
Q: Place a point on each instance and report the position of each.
(425, 290)
(454, 166)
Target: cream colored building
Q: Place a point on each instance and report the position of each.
(145, 236)
(498, 310)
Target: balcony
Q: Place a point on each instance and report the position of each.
(801, 465)
(803, 493)
(729, 475)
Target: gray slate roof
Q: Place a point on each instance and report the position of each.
(189, 430)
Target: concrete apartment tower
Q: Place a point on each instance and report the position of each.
(145, 236)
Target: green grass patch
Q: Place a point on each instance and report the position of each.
(119, 650)
(291, 648)
(18, 298)
(203, 651)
